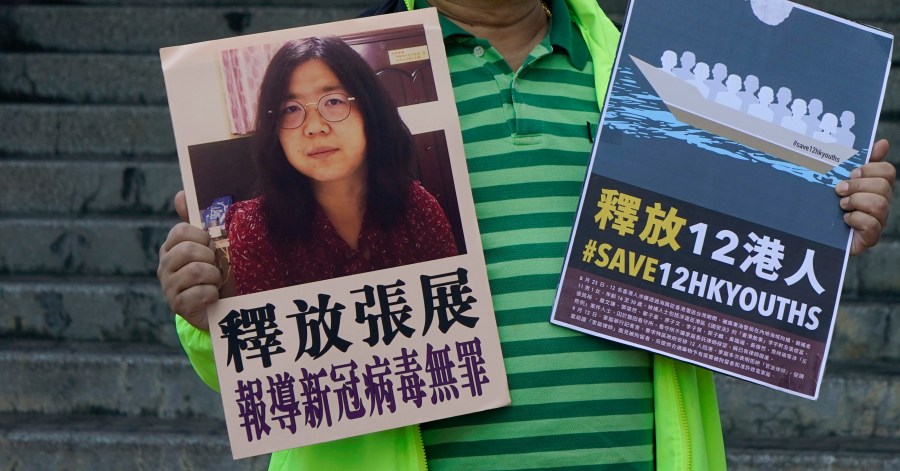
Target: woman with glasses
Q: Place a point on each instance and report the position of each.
(334, 158)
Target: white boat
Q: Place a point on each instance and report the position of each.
(689, 106)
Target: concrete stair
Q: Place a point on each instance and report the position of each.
(91, 374)
(93, 441)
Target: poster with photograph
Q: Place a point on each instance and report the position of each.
(327, 164)
(709, 229)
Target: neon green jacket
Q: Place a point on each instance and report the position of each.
(687, 427)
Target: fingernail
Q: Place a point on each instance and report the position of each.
(856, 173)
(844, 202)
(842, 187)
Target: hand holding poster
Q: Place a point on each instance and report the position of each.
(709, 229)
(326, 163)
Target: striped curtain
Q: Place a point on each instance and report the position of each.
(243, 70)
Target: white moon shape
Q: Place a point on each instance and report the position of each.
(771, 12)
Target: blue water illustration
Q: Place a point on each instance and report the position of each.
(634, 109)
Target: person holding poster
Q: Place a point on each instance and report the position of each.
(334, 160)
(527, 77)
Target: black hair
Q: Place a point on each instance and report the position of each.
(287, 201)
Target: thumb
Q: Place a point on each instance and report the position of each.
(181, 206)
(880, 151)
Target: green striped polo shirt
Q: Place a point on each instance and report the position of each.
(578, 402)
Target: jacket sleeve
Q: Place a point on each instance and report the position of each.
(602, 38)
(198, 346)
(389, 6)
(688, 428)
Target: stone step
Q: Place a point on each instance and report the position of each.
(129, 379)
(90, 443)
(877, 273)
(855, 400)
(75, 129)
(859, 9)
(832, 454)
(136, 27)
(113, 309)
(50, 129)
(145, 29)
(78, 443)
(88, 187)
(361, 4)
(866, 331)
(86, 246)
(110, 309)
(82, 78)
(138, 79)
(130, 246)
(108, 378)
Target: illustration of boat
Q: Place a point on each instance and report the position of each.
(690, 107)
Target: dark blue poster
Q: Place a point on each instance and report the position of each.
(709, 229)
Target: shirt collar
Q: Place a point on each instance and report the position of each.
(562, 32)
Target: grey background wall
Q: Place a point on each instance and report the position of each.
(91, 374)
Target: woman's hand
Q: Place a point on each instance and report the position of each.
(187, 272)
(866, 198)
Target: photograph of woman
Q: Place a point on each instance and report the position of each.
(336, 190)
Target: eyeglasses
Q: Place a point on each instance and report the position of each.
(332, 107)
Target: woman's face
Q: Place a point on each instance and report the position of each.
(323, 151)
